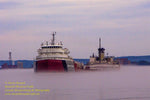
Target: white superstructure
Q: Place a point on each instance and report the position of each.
(52, 50)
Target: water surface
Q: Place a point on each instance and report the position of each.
(128, 83)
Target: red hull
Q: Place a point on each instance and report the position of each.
(55, 65)
(49, 65)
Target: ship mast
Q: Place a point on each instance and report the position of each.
(53, 39)
(99, 50)
(99, 42)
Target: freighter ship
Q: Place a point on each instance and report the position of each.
(102, 62)
(53, 57)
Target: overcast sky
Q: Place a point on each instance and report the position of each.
(123, 25)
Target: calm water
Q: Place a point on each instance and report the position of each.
(128, 83)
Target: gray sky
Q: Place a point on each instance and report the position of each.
(123, 26)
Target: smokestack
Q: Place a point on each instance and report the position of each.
(100, 52)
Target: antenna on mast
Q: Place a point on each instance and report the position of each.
(53, 39)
